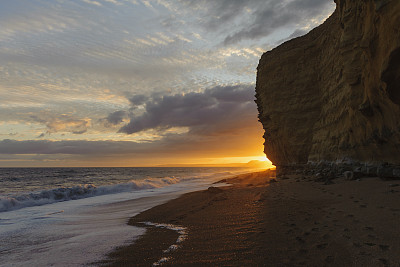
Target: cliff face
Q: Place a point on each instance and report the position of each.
(334, 93)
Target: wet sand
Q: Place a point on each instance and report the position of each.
(295, 221)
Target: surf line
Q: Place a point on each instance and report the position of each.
(182, 231)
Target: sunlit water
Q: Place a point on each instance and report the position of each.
(75, 216)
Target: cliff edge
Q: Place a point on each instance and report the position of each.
(333, 95)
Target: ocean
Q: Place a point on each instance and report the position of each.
(75, 216)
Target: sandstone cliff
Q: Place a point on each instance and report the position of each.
(334, 94)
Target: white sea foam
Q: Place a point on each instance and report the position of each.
(75, 233)
(14, 202)
(171, 248)
(161, 261)
(182, 231)
(83, 231)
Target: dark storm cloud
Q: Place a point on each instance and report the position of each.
(169, 144)
(263, 16)
(116, 117)
(213, 110)
(277, 15)
(83, 147)
(137, 100)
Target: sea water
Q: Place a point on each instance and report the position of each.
(75, 216)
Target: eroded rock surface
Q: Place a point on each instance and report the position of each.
(334, 94)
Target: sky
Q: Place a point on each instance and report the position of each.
(138, 82)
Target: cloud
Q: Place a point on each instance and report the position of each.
(62, 123)
(277, 15)
(116, 117)
(115, 2)
(213, 110)
(137, 100)
(255, 19)
(218, 122)
(244, 141)
(82, 147)
(173, 144)
(92, 2)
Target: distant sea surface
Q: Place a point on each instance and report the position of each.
(75, 216)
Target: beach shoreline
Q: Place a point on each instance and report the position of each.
(291, 220)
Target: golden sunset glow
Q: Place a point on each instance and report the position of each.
(82, 88)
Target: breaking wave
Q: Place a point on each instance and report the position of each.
(39, 198)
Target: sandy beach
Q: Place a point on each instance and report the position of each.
(292, 220)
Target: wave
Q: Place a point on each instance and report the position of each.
(44, 197)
